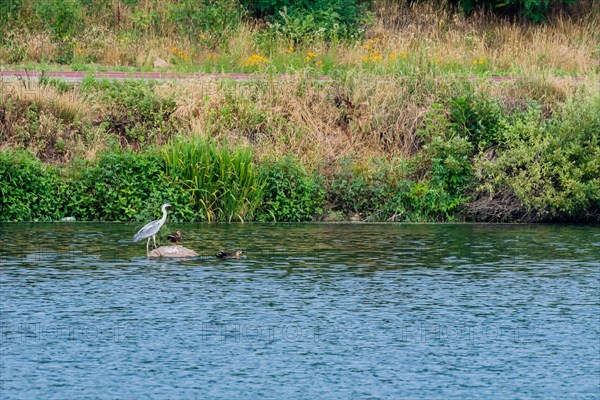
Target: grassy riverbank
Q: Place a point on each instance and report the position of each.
(409, 148)
(408, 126)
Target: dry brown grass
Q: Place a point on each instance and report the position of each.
(420, 33)
(360, 116)
(46, 121)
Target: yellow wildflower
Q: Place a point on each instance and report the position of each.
(256, 60)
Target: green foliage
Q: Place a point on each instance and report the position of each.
(356, 189)
(445, 165)
(291, 193)
(533, 10)
(301, 20)
(135, 112)
(476, 118)
(64, 18)
(224, 183)
(29, 190)
(9, 10)
(121, 186)
(208, 19)
(552, 167)
(126, 186)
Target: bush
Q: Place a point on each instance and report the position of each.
(546, 169)
(443, 168)
(209, 19)
(301, 20)
(291, 193)
(29, 190)
(134, 111)
(126, 186)
(363, 189)
(476, 118)
(533, 10)
(63, 18)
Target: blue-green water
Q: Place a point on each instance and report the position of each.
(313, 311)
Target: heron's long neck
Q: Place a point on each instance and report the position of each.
(164, 217)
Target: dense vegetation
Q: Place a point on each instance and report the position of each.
(476, 152)
(407, 126)
(322, 37)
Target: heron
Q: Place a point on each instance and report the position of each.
(151, 229)
(175, 237)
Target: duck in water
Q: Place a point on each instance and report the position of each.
(175, 237)
(224, 254)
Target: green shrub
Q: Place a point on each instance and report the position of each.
(9, 10)
(533, 10)
(301, 20)
(443, 167)
(64, 18)
(291, 193)
(29, 190)
(223, 181)
(125, 186)
(134, 111)
(364, 190)
(209, 20)
(477, 118)
(546, 169)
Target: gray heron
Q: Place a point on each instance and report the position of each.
(151, 229)
(175, 237)
(225, 254)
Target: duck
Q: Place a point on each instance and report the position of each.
(175, 237)
(224, 254)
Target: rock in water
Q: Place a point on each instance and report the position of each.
(172, 252)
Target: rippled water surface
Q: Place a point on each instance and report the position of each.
(313, 311)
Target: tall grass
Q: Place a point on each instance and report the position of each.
(405, 36)
(223, 180)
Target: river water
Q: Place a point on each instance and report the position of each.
(314, 311)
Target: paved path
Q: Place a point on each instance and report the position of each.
(78, 76)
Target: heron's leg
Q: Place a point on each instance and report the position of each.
(154, 238)
(148, 247)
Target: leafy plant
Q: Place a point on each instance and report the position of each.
(126, 186)
(62, 17)
(29, 190)
(355, 189)
(134, 111)
(547, 169)
(223, 181)
(301, 20)
(208, 20)
(445, 165)
(533, 10)
(291, 193)
(477, 118)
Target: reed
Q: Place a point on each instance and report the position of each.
(223, 180)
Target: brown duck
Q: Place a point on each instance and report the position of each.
(225, 254)
(175, 237)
